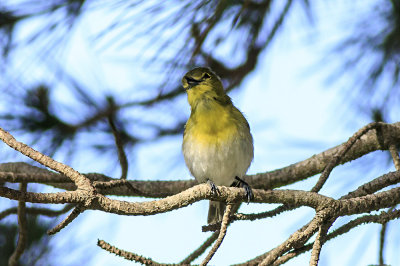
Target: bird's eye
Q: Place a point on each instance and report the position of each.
(206, 76)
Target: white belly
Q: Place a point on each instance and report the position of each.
(220, 161)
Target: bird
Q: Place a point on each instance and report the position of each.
(217, 143)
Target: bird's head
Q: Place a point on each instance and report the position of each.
(202, 83)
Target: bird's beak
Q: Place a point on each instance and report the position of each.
(189, 82)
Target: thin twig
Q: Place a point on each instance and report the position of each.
(382, 244)
(374, 185)
(255, 216)
(195, 254)
(337, 157)
(74, 214)
(123, 161)
(200, 37)
(250, 217)
(236, 18)
(22, 231)
(221, 236)
(128, 255)
(117, 183)
(382, 237)
(318, 243)
(37, 211)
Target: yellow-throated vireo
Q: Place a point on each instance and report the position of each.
(217, 143)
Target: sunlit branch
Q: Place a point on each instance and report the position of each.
(72, 216)
(221, 235)
(128, 255)
(381, 218)
(318, 243)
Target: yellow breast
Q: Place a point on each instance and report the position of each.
(212, 126)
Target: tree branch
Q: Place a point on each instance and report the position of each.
(255, 216)
(37, 211)
(297, 238)
(382, 244)
(345, 147)
(74, 214)
(183, 199)
(128, 255)
(318, 243)
(378, 136)
(371, 141)
(22, 232)
(382, 218)
(123, 161)
(80, 181)
(221, 236)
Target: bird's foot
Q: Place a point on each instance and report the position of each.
(249, 192)
(213, 187)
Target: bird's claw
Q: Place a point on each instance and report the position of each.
(213, 187)
(247, 189)
(249, 193)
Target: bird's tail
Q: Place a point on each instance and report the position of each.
(215, 212)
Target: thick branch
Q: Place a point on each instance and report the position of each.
(185, 198)
(371, 141)
(230, 195)
(23, 172)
